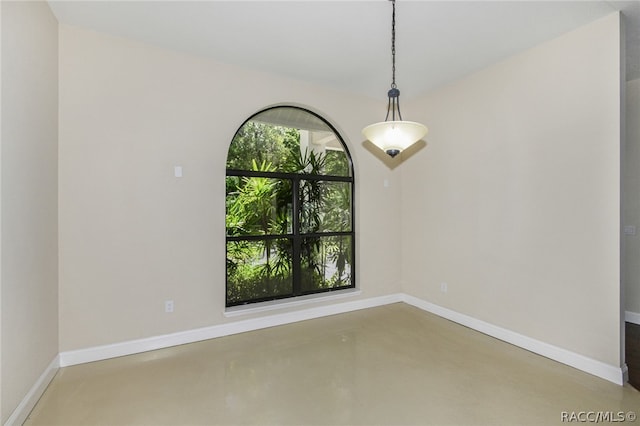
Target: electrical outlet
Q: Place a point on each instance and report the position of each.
(443, 287)
(168, 306)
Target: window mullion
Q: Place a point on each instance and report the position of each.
(297, 239)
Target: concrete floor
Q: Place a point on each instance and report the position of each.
(392, 365)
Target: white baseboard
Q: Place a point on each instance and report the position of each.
(23, 409)
(158, 342)
(633, 317)
(597, 368)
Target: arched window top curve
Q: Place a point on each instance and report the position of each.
(288, 139)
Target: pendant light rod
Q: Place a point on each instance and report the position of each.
(393, 45)
(393, 94)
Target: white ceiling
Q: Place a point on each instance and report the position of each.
(346, 44)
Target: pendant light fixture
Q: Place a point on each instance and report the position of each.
(395, 135)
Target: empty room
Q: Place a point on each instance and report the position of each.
(216, 212)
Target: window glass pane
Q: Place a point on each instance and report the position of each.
(258, 269)
(337, 163)
(325, 206)
(260, 146)
(258, 206)
(289, 140)
(326, 263)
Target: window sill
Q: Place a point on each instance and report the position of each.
(273, 305)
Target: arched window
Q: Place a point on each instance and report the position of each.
(289, 204)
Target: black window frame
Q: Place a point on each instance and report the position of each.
(296, 236)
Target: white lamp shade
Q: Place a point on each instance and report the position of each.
(394, 135)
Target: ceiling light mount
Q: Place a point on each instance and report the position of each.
(395, 135)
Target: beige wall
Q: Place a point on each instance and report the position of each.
(631, 189)
(29, 279)
(514, 203)
(131, 234)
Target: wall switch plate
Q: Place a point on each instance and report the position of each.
(177, 171)
(168, 306)
(443, 287)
